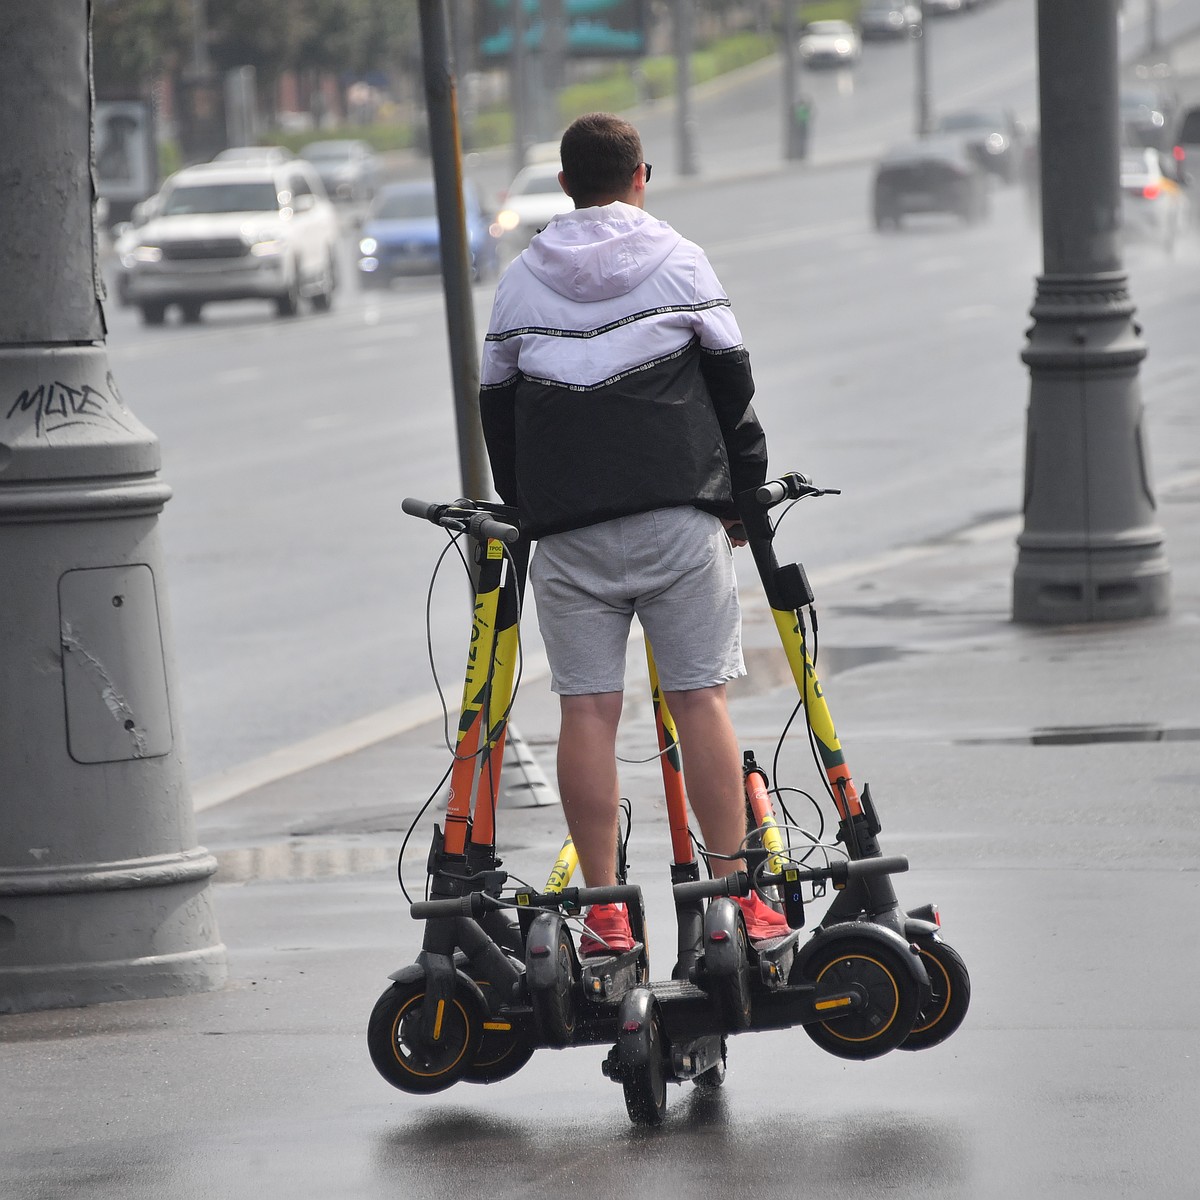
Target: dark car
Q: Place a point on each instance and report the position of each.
(1147, 118)
(935, 175)
(349, 168)
(879, 19)
(400, 235)
(995, 137)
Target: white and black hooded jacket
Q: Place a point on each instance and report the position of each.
(614, 377)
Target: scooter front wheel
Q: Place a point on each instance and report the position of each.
(883, 979)
(949, 997)
(419, 1056)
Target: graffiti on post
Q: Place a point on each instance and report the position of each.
(57, 406)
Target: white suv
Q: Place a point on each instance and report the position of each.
(232, 231)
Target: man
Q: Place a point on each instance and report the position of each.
(616, 407)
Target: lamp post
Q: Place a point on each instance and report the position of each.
(797, 111)
(104, 894)
(685, 125)
(920, 34)
(1090, 549)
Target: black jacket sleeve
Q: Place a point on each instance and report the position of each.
(497, 412)
(731, 386)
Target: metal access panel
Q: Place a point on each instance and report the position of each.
(114, 672)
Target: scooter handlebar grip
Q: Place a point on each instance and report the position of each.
(771, 493)
(892, 864)
(704, 889)
(483, 527)
(617, 893)
(457, 906)
(420, 508)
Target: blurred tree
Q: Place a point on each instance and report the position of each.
(134, 41)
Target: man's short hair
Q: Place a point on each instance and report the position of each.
(599, 154)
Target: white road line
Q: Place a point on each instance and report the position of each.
(336, 743)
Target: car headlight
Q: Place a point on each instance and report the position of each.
(268, 247)
(507, 219)
(995, 143)
(368, 246)
(842, 46)
(147, 252)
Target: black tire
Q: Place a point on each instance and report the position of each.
(949, 997)
(731, 993)
(404, 1058)
(153, 313)
(646, 1085)
(554, 1008)
(322, 300)
(714, 1077)
(287, 304)
(893, 997)
(191, 312)
(504, 1047)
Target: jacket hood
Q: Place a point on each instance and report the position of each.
(599, 253)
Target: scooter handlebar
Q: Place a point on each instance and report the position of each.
(461, 515)
(738, 884)
(792, 486)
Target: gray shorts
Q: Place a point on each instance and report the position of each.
(672, 567)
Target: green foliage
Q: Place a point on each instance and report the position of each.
(382, 137)
(135, 40)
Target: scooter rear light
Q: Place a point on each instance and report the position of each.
(1150, 191)
(718, 935)
(539, 951)
(631, 1027)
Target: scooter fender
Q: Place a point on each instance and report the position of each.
(541, 970)
(863, 929)
(915, 928)
(634, 1045)
(724, 950)
(415, 973)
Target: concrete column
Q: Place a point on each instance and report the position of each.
(1091, 549)
(104, 894)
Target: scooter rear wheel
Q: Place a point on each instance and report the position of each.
(554, 1006)
(400, 1049)
(885, 980)
(646, 1083)
(949, 998)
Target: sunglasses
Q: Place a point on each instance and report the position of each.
(649, 168)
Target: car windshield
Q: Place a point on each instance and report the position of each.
(221, 198)
(1137, 99)
(1136, 163)
(538, 185)
(834, 28)
(406, 206)
(969, 120)
(329, 152)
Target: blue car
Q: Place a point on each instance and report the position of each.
(400, 235)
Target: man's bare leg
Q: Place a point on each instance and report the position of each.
(587, 781)
(712, 768)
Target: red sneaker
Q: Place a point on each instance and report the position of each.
(762, 921)
(605, 931)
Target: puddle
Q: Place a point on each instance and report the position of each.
(1088, 735)
(301, 860)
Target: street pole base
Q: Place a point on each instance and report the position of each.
(1069, 589)
(34, 989)
(135, 930)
